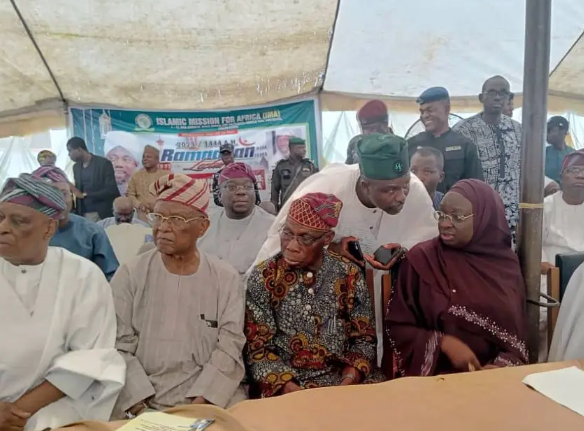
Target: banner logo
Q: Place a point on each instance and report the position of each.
(143, 121)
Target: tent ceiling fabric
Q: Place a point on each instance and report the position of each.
(398, 49)
(173, 54)
(24, 80)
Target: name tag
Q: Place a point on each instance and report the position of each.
(454, 148)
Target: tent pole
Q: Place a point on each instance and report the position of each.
(535, 94)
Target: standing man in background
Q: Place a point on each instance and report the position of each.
(372, 118)
(95, 179)
(289, 173)
(138, 187)
(461, 160)
(557, 130)
(498, 141)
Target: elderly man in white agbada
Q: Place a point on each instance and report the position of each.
(563, 224)
(239, 229)
(375, 209)
(57, 359)
(180, 311)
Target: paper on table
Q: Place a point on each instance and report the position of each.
(564, 386)
(159, 421)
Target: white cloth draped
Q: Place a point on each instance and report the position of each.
(63, 332)
(374, 228)
(568, 339)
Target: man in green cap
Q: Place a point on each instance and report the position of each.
(290, 172)
(382, 204)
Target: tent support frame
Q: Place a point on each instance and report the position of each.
(38, 50)
(535, 95)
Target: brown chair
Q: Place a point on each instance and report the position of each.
(553, 290)
(385, 290)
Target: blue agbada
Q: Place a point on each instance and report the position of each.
(88, 240)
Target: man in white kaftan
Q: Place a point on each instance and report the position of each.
(377, 212)
(239, 229)
(58, 363)
(563, 224)
(568, 339)
(180, 311)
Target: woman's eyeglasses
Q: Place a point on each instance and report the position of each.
(175, 222)
(304, 239)
(457, 219)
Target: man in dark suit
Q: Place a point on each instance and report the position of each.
(95, 179)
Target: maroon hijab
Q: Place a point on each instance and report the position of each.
(485, 273)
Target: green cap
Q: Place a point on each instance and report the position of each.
(296, 141)
(383, 156)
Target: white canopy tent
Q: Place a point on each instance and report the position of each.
(214, 54)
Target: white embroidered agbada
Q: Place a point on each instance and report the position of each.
(563, 232)
(181, 335)
(374, 228)
(58, 324)
(568, 339)
(236, 241)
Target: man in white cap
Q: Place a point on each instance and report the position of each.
(123, 149)
(58, 363)
(180, 311)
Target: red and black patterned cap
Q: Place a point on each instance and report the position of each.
(318, 211)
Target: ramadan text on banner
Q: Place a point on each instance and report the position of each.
(189, 141)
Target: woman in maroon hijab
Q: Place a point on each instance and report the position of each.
(459, 303)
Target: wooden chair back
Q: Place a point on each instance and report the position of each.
(553, 290)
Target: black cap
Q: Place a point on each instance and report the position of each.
(558, 121)
(432, 95)
(226, 148)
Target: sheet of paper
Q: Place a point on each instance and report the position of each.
(158, 421)
(565, 387)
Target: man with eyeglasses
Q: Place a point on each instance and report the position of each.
(309, 320)
(239, 229)
(563, 223)
(227, 157)
(78, 234)
(383, 204)
(179, 310)
(498, 141)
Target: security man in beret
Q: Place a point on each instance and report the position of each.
(289, 173)
(461, 159)
(557, 131)
(373, 118)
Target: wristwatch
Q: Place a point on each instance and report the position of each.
(131, 415)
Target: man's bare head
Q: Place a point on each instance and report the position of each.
(123, 204)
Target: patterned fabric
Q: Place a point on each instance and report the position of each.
(499, 150)
(139, 190)
(316, 211)
(51, 173)
(307, 327)
(573, 159)
(183, 190)
(35, 193)
(236, 170)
